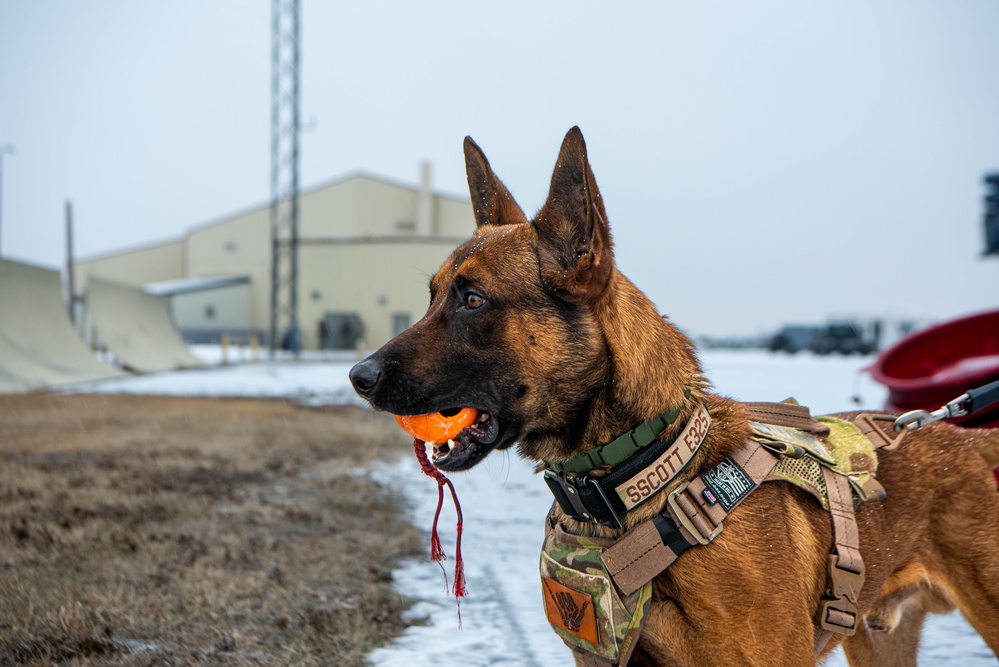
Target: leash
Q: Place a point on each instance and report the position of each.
(974, 400)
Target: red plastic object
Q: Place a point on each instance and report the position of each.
(928, 368)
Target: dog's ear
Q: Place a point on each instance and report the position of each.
(577, 256)
(491, 201)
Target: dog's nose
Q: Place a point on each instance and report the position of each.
(364, 376)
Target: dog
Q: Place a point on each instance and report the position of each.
(531, 323)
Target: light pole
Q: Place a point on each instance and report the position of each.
(4, 149)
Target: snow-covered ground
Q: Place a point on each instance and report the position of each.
(504, 502)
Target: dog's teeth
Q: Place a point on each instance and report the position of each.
(483, 417)
(450, 444)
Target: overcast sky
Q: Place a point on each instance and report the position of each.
(761, 162)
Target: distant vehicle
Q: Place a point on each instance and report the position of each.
(794, 338)
(844, 338)
(837, 337)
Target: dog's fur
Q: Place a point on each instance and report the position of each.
(532, 322)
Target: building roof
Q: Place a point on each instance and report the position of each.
(357, 174)
(339, 180)
(187, 285)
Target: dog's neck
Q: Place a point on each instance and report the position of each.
(652, 364)
(653, 369)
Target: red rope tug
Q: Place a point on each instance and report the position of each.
(436, 550)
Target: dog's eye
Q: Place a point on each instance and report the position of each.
(474, 301)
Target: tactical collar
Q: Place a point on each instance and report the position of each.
(641, 466)
(621, 447)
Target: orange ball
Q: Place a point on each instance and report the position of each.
(436, 427)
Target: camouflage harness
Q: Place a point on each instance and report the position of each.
(597, 592)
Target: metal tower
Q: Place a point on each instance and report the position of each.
(285, 130)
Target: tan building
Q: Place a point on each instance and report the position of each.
(367, 247)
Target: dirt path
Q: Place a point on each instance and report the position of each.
(172, 531)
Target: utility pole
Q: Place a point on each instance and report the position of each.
(70, 269)
(4, 149)
(285, 131)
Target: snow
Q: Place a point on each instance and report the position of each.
(313, 379)
(504, 502)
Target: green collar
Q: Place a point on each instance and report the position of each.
(621, 447)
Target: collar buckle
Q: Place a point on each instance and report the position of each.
(582, 498)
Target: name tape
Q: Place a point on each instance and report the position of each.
(646, 483)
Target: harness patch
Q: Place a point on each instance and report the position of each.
(846, 451)
(586, 610)
(570, 610)
(728, 483)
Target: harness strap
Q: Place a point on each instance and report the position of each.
(837, 612)
(787, 414)
(873, 425)
(694, 515)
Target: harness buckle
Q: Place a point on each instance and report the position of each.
(838, 611)
(685, 519)
(844, 583)
(838, 616)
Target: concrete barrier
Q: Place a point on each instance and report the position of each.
(38, 346)
(137, 327)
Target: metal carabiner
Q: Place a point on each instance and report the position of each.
(918, 418)
(914, 419)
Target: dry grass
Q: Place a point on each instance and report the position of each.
(174, 531)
